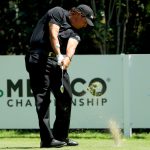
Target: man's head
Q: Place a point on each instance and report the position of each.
(81, 16)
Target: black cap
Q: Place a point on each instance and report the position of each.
(88, 12)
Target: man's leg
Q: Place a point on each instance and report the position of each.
(63, 106)
(40, 81)
(40, 87)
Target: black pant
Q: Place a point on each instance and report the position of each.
(45, 77)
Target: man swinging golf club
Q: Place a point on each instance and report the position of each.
(53, 43)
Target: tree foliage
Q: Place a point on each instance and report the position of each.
(121, 26)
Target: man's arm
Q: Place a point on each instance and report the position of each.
(53, 32)
(71, 47)
(70, 50)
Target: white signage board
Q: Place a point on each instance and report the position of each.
(17, 109)
(96, 111)
(139, 84)
(122, 95)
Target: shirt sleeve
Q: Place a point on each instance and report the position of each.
(69, 33)
(55, 16)
(76, 37)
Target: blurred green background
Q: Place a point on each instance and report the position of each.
(121, 26)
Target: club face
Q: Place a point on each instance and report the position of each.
(62, 89)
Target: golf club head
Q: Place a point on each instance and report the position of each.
(62, 89)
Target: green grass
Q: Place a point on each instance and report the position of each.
(88, 140)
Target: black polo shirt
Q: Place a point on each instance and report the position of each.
(40, 37)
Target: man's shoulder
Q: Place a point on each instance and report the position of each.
(57, 9)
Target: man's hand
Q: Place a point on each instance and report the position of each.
(60, 58)
(66, 62)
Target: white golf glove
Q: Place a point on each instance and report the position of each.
(60, 57)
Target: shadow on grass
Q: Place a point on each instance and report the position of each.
(139, 137)
(73, 133)
(90, 134)
(19, 133)
(19, 148)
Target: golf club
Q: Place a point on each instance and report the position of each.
(62, 86)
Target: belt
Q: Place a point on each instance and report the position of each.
(51, 54)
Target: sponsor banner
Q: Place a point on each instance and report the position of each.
(89, 109)
(139, 86)
(17, 107)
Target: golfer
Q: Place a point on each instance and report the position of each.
(53, 44)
